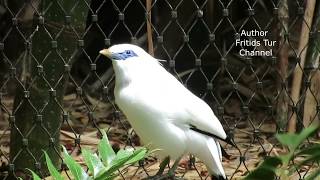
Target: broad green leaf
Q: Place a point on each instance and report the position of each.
(137, 156)
(286, 158)
(93, 162)
(105, 176)
(266, 170)
(114, 167)
(123, 153)
(288, 139)
(294, 140)
(118, 163)
(76, 170)
(53, 171)
(88, 159)
(132, 155)
(34, 175)
(106, 152)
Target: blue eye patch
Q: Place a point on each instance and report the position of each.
(123, 55)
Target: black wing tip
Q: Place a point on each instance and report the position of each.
(227, 140)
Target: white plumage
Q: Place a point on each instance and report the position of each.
(162, 111)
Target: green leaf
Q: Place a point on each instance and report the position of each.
(118, 163)
(87, 156)
(93, 162)
(137, 156)
(288, 139)
(123, 153)
(314, 149)
(53, 171)
(313, 175)
(76, 170)
(105, 176)
(132, 155)
(311, 154)
(106, 152)
(310, 159)
(34, 175)
(294, 140)
(114, 167)
(286, 158)
(266, 170)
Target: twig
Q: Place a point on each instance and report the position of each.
(312, 63)
(283, 54)
(297, 75)
(149, 29)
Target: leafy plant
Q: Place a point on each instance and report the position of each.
(281, 165)
(102, 166)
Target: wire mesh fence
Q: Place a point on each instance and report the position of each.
(56, 88)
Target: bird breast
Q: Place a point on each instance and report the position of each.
(152, 120)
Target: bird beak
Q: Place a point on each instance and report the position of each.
(105, 52)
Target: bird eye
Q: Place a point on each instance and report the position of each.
(127, 52)
(115, 56)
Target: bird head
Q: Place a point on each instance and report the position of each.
(123, 52)
(130, 62)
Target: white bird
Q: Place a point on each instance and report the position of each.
(162, 111)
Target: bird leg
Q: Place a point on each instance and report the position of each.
(171, 172)
(174, 167)
(163, 165)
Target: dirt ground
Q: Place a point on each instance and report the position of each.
(251, 148)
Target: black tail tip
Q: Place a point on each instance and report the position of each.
(218, 177)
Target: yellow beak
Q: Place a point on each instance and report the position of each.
(105, 52)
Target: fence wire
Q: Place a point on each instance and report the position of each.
(55, 85)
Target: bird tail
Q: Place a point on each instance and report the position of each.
(216, 165)
(208, 150)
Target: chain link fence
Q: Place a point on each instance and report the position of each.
(56, 88)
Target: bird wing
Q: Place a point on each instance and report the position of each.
(207, 150)
(219, 150)
(177, 102)
(193, 111)
(203, 120)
